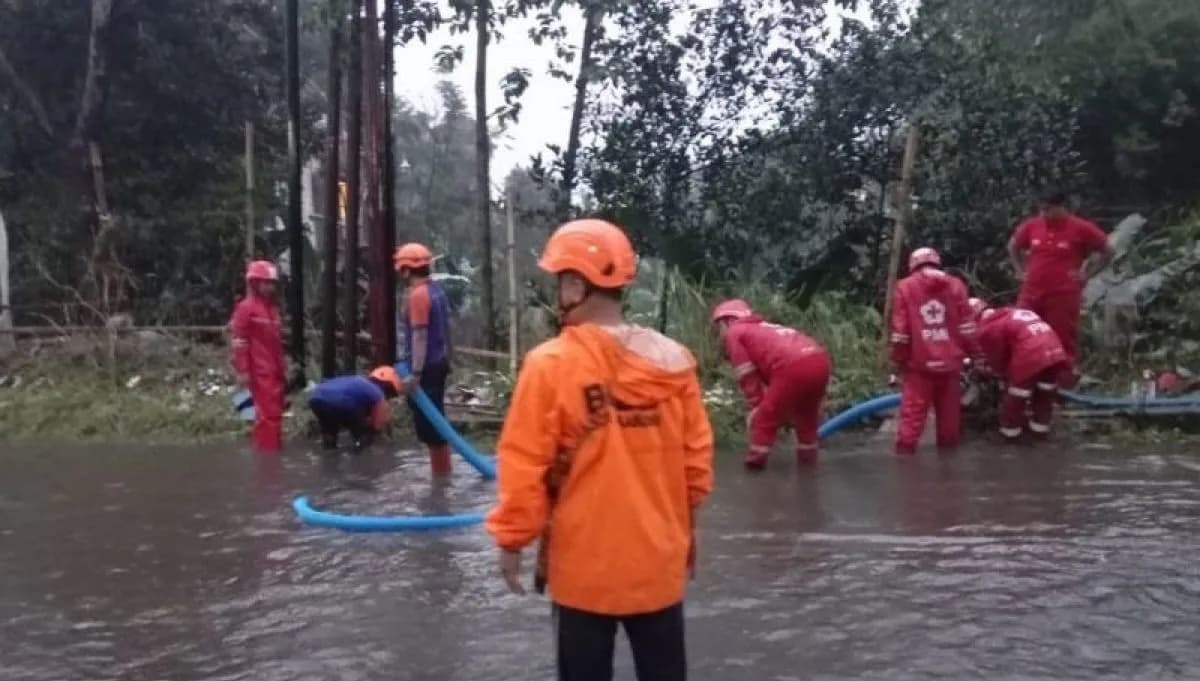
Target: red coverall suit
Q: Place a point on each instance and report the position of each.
(932, 331)
(1020, 348)
(1052, 288)
(257, 350)
(783, 374)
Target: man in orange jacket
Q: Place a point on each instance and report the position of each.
(606, 455)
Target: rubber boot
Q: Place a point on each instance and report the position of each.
(439, 460)
(807, 456)
(755, 461)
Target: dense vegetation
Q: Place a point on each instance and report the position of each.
(742, 141)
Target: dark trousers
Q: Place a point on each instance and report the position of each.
(433, 382)
(586, 643)
(333, 419)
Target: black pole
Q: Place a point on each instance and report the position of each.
(294, 227)
(389, 166)
(354, 181)
(329, 264)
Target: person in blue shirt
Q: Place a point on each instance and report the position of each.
(354, 403)
(423, 340)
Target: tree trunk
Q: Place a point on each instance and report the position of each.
(103, 272)
(354, 80)
(295, 227)
(903, 220)
(483, 168)
(389, 177)
(378, 261)
(329, 266)
(593, 16)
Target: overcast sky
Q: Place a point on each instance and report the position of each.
(546, 105)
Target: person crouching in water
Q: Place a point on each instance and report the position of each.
(358, 404)
(423, 341)
(256, 353)
(606, 455)
(783, 375)
(932, 332)
(1025, 352)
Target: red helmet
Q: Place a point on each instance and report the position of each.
(922, 257)
(595, 249)
(731, 309)
(412, 255)
(977, 307)
(262, 270)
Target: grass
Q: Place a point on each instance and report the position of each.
(75, 390)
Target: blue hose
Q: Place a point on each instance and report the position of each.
(1184, 403)
(360, 523)
(857, 413)
(485, 466)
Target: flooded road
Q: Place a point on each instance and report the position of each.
(182, 565)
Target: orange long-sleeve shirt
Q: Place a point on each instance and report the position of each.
(606, 454)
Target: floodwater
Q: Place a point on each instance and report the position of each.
(187, 564)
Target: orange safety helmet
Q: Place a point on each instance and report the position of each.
(595, 249)
(387, 374)
(262, 270)
(412, 255)
(977, 307)
(922, 257)
(731, 309)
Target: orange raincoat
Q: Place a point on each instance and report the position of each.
(606, 454)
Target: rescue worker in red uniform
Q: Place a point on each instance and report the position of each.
(1022, 350)
(783, 375)
(1052, 254)
(932, 332)
(257, 354)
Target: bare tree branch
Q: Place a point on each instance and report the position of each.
(31, 99)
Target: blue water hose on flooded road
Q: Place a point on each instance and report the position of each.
(1165, 406)
(857, 413)
(361, 523)
(364, 523)
(485, 466)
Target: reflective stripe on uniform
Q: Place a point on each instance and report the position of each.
(1047, 387)
(900, 338)
(967, 328)
(807, 446)
(239, 342)
(1019, 392)
(1040, 428)
(1010, 432)
(743, 370)
(759, 449)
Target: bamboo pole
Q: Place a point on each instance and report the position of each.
(7, 344)
(249, 162)
(903, 220)
(510, 250)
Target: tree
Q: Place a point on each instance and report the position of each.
(330, 242)
(295, 226)
(350, 300)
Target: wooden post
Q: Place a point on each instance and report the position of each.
(510, 250)
(249, 191)
(903, 219)
(329, 257)
(7, 341)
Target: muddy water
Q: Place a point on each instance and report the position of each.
(182, 565)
